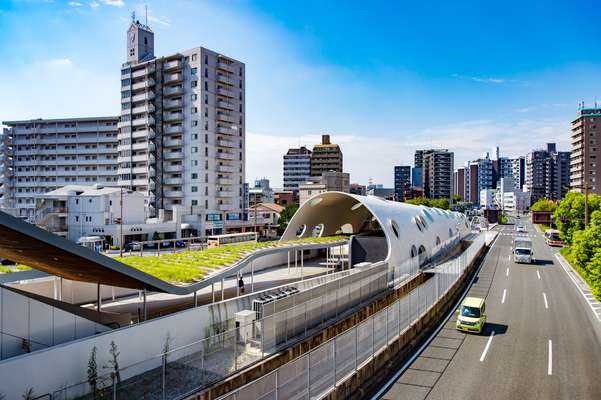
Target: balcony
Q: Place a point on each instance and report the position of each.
(226, 92)
(174, 168)
(225, 67)
(173, 116)
(143, 85)
(225, 181)
(140, 182)
(144, 133)
(172, 65)
(226, 105)
(147, 96)
(150, 69)
(173, 129)
(173, 181)
(145, 121)
(173, 143)
(226, 143)
(173, 155)
(176, 103)
(173, 193)
(227, 131)
(225, 79)
(147, 108)
(225, 168)
(225, 156)
(172, 78)
(140, 158)
(173, 91)
(142, 146)
(226, 117)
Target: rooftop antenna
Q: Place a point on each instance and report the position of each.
(146, 13)
(133, 16)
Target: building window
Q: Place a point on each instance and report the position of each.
(194, 84)
(194, 149)
(206, 59)
(195, 123)
(194, 189)
(206, 85)
(206, 98)
(194, 175)
(194, 110)
(194, 97)
(194, 71)
(194, 57)
(194, 203)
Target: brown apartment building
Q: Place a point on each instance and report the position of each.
(326, 157)
(586, 151)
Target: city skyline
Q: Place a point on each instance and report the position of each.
(389, 99)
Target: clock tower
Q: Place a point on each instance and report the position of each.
(140, 43)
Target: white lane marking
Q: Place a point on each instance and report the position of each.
(487, 346)
(589, 301)
(504, 293)
(507, 272)
(545, 297)
(538, 274)
(550, 365)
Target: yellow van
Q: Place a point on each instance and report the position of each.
(471, 315)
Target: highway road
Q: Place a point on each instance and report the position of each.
(542, 339)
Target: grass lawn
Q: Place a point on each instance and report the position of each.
(565, 252)
(192, 266)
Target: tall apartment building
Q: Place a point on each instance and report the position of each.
(459, 182)
(182, 129)
(297, 167)
(548, 173)
(586, 151)
(40, 155)
(402, 178)
(518, 169)
(326, 157)
(437, 169)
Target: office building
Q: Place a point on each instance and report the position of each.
(297, 167)
(518, 167)
(437, 169)
(182, 130)
(417, 179)
(330, 181)
(586, 151)
(326, 157)
(40, 155)
(359, 189)
(402, 179)
(261, 192)
(548, 173)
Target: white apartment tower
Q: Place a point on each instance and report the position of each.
(40, 155)
(182, 130)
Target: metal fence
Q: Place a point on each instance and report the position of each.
(314, 374)
(176, 372)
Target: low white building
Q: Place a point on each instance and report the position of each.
(488, 199)
(76, 211)
(308, 190)
(511, 199)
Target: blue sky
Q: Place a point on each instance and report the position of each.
(383, 78)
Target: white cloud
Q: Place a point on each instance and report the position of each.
(94, 4)
(115, 3)
(75, 4)
(58, 62)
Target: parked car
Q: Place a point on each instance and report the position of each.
(132, 246)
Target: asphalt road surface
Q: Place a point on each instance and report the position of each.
(541, 341)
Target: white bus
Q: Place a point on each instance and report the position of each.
(231, 238)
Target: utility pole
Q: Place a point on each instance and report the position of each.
(121, 224)
(584, 155)
(255, 207)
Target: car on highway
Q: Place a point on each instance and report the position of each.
(522, 250)
(552, 238)
(472, 315)
(521, 228)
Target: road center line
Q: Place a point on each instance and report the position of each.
(504, 293)
(538, 274)
(507, 272)
(550, 365)
(487, 346)
(545, 297)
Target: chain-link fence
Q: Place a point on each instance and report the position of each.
(316, 373)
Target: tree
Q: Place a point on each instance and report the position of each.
(422, 201)
(113, 363)
(456, 198)
(285, 216)
(156, 236)
(440, 203)
(93, 372)
(569, 214)
(544, 205)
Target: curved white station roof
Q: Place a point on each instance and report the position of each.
(404, 225)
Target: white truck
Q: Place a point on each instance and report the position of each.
(522, 250)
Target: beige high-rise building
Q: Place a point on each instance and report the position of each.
(182, 130)
(586, 153)
(326, 156)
